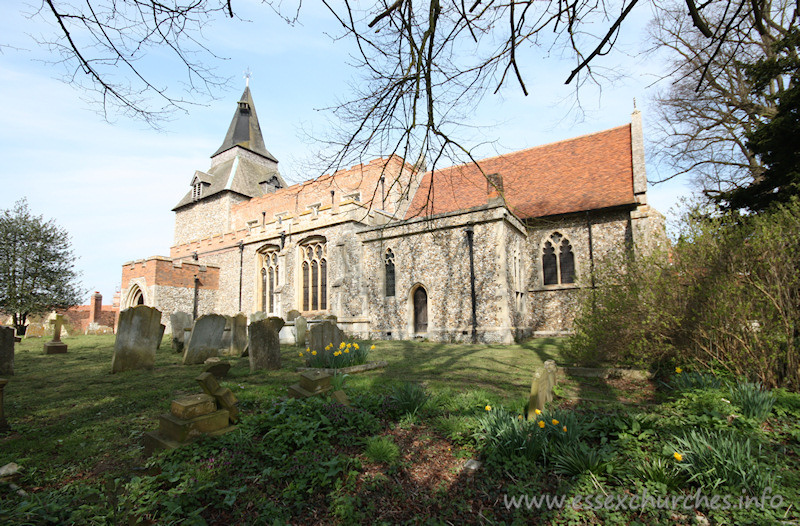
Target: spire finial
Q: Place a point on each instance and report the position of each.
(247, 75)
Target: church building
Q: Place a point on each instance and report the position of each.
(491, 253)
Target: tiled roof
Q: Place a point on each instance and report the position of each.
(585, 173)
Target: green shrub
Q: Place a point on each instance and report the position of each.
(381, 449)
(754, 401)
(408, 398)
(714, 458)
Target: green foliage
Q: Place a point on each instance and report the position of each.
(37, 267)
(728, 296)
(686, 381)
(774, 140)
(578, 458)
(348, 354)
(408, 398)
(754, 401)
(381, 449)
(661, 472)
(716, 458)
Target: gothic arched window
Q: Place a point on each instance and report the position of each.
(558, 261)
(389, 263)
(269, 281)
(314, 275)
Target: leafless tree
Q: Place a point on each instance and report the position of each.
(425, 64)
(709, 105)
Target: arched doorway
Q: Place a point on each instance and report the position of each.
(135, 296)
(420, 310)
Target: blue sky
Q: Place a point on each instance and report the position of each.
(112, 186)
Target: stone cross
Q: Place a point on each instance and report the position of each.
(56, 346)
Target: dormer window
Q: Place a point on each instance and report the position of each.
(197, 190)
(244, 107)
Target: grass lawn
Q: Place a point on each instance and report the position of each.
(397, 455)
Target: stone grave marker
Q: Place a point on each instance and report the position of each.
(137, 339)
(205, 340)
(258, 316)
(300, 330)
(95, 329)
(35, 330)
(544, 379)
(179, 321)
(238, 335)
(227, 336)
(292, 315)
(224, 396)
(325, 333)
(161, 335)
(3, 422)
(311, 383)
(331, 317)
(217, 367)
(6, 351)
(264, 344)
(56, 346)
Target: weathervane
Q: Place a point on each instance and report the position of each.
(247, 75)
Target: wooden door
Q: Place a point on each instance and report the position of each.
(420, 310)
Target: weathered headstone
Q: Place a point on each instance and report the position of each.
(300, 329)
(56, 346)
(179, 321)
(292, 315)
(35, 330)
(6, 351)
(324, 334)
(544, 379)
(138, 333)
(264, 344)
(227, 335)
(238, 334)
(225, 397)
(206, 339)
(331, 317)
(311, 383)
(3, 422)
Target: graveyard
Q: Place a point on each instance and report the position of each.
(438, 433)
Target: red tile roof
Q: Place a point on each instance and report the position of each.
(585, 173)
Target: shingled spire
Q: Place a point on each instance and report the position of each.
(244, 130)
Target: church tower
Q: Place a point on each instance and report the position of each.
(241, 168)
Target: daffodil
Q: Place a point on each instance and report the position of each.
(538, 411)
(300, 354)
(347, 351)
(678, 456)
(349, 345)
(555, 422)
(355, 346)
(341, 345)
(313, 353)
(678, 370)
(541, 424)
(564, 429)
(372, 348)
(488, 408)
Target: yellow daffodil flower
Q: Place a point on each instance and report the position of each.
(678, 370)
(678, 456)
(555, 422)
(538, 412)
(541, 424)
(488, 408)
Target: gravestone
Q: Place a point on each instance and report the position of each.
(95, 329)
(324, 334)
(179, 321)
(300, 329)
(264, 344)
(331, 317)
(238, 334)
(138, 333)
(311, 383)
(6, 351)
(3, 423)
(226, 335)
(56, 346)
(544, 379)
(35, 330)
(205, 340)
(292, 315)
